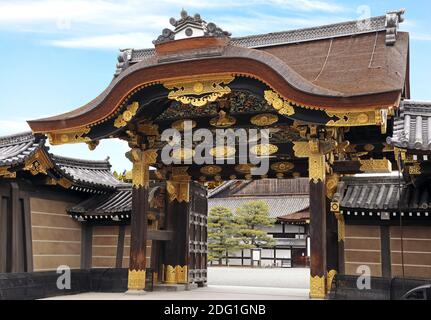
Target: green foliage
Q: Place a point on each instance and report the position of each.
(227, 233)
(222, 233)
(252, 217)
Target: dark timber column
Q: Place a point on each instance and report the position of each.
(331, 232)
(178, 188)
(317, 169)
(315, 150)
(335, 209)
(139, 221)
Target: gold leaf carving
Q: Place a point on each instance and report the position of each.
(282, 106)
(76, 135)
(265, 119)
(264, 149)
(223, 120)
(211, 170)
(282, 166)
(199, 91)
(375, 166)
(127, 115)
(316, 168)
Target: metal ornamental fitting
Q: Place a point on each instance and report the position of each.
(136, 280)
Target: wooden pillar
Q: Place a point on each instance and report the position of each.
(170, 258)
(331, 247)
(178, 189)
(139, 220)
(331, 232)
(335, 209)
(317, 225)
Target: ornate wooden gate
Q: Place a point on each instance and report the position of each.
(197, 235)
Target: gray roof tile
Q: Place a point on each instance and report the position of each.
(87, 172)
(412, 128)
(278, 206)
(382, 193)
(16, 149)
(119, 201)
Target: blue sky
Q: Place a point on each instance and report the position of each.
(57, 55)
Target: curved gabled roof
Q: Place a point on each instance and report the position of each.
(337, 67)
(16, 149)
(87, 173)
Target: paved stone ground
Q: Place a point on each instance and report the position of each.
(228, 284)
(298, 278)
(212, 292)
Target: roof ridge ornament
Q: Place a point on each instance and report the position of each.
(393, 20)
(190, 27)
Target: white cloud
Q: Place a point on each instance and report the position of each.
(308, 5)
(112, 41)
(122, 15)
(109, 24)
(13, 126)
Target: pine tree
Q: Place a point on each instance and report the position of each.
(222, 234)
(252, 217)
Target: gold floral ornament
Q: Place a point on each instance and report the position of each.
(199, 91)
(282, 166)
(222, 152)
(263, 120)
(127, 115)
(244, 168)
(180, 124)
(223, 120)
(211, 170)
(183, 153)
(281, 105)
(264, 149)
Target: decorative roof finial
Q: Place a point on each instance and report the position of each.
(393, 20)
(184, 14)
(189, 27)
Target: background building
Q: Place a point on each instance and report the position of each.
(288, 203)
